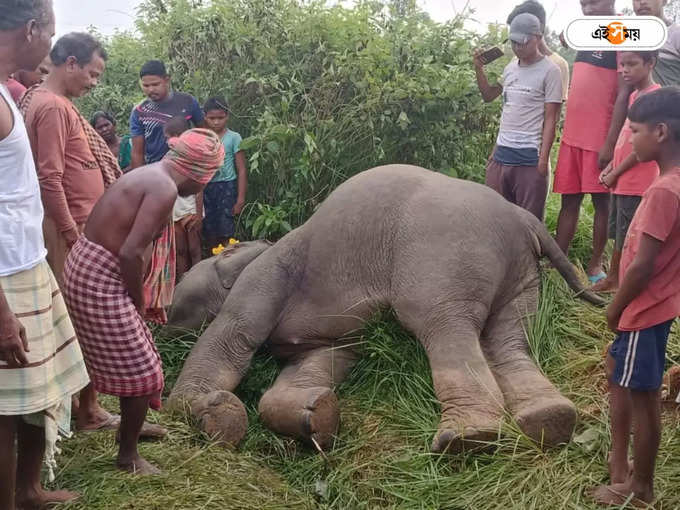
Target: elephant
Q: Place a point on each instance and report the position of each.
(456, 262)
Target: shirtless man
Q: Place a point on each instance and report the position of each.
(104, 274)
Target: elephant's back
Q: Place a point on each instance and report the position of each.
(397, 196)
(405, 219)
(398, 231)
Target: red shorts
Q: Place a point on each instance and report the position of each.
(577, 172)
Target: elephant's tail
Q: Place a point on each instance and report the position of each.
(550, 249)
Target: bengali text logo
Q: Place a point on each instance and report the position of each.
(640, 33)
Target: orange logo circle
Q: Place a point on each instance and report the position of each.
(616, 32)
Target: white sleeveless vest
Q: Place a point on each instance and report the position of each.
(21, 213)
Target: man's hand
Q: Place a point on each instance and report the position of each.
(605, 156)
(613, 318)
(542, 167)
(71, 236)
(238, 207)
(476, 58)
(13, 342)
(194, 222)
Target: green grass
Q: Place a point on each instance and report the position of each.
(381, 457)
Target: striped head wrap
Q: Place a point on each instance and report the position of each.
(196, 154)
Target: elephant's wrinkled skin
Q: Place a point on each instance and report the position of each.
(456, 262)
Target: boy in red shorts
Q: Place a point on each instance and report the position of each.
(588, 140)
(646, 304)
(625, 176)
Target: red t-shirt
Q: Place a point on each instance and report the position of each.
(659, 217)
(638, 178)
(592, 94)
(70, 178)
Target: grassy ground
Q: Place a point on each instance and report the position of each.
(381, 458)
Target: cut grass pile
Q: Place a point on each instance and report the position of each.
(381, 457)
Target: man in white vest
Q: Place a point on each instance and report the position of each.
(41, 365)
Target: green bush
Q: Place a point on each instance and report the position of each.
(319, 93)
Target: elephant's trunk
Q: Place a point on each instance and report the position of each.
(559, 260)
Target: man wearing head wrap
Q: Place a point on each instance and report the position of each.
(104, 280)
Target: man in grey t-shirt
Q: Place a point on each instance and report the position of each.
(532, 96)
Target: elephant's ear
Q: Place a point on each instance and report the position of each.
(233, 260)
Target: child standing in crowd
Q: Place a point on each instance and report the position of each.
(595, 114)
(121, 147)
(625, 175)
(187, 215)
(225, 195)
(646, 304)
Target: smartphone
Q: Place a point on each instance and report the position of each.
(490, 55)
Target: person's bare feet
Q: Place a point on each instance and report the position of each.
(137, 466)
(607, 284)
(40, 499)
(620, 493)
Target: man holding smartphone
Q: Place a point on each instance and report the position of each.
(531, 89)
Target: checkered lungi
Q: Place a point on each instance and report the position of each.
(117, 345)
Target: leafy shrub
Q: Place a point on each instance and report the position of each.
(319, 93)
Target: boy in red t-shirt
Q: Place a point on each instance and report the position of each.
(646, 304)
(627, 177)
(595, 113)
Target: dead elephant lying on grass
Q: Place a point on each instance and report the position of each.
(456, 263)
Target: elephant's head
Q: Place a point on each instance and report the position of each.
(199, 296)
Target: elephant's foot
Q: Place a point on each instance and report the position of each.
(222, 416)
(549, 422)
(322, 419)
(309, 414)
(469, 437)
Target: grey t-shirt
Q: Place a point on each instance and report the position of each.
(667, 70)
(526, 89)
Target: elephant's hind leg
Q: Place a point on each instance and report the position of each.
(539, 409)
(471, 401)
(301, 403)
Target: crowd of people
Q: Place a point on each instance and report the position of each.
(620, 144)
(96, 228)
(88, 247)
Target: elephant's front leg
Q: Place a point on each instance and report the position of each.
(210, 374)
(301, 403)
(472, 403)
(539, 409)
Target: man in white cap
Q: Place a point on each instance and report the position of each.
(531, 87)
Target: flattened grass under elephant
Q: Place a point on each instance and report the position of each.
(456, 262)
